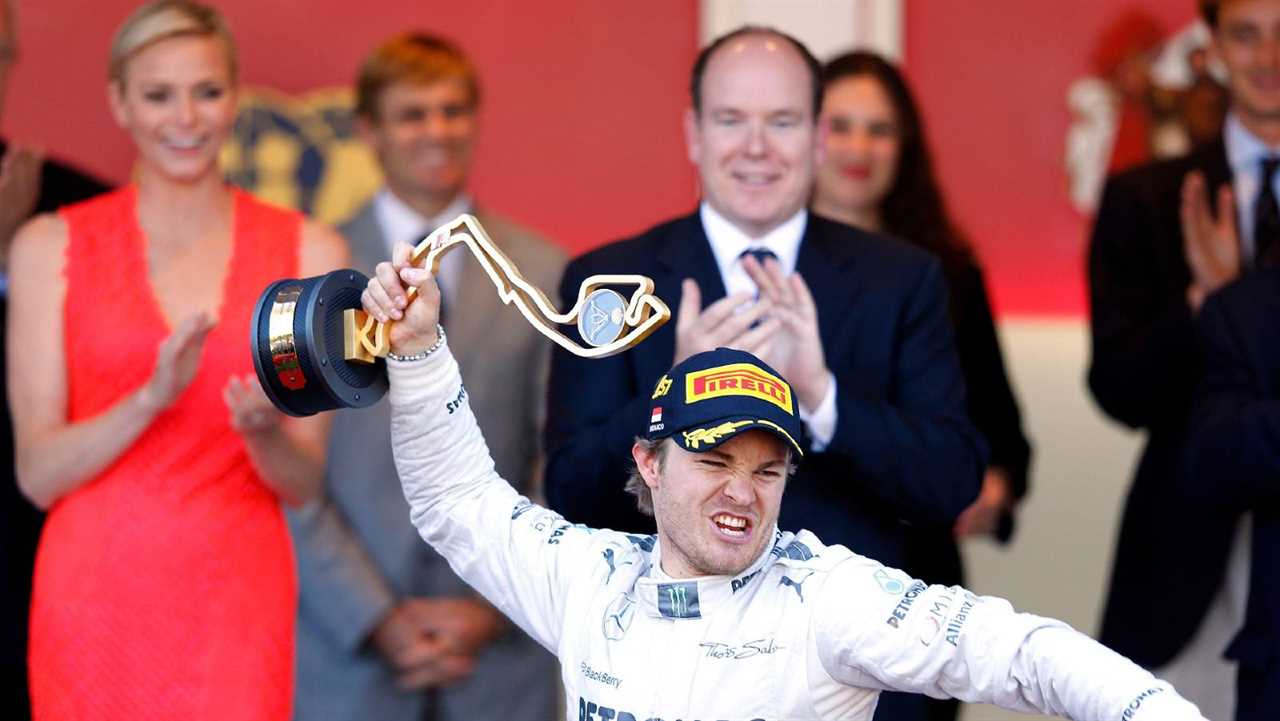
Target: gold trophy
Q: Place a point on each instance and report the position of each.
(315, 349)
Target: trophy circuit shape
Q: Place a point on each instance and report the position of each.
(315, 349)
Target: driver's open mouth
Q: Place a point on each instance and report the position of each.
(731, 525)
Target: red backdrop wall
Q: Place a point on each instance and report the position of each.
(581, 125)
(581, 122)
(992, 78)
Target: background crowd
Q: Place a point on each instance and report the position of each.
(204, 554)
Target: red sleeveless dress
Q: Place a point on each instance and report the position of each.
(165, 587)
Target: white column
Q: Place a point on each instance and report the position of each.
(828, 27)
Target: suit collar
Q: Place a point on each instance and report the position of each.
(686, 253)
(1212, 160)
(728, 242)
(1244, 150)
(826, 248)
(364, 237)
(401, 221)
(661, 596)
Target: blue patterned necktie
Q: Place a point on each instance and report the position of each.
(760, 254)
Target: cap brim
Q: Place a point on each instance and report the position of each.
(702, 438)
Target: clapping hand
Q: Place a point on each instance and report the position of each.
(251, 410)
(795, 346)
(1211, 245)
(177, 362)
(734, 321)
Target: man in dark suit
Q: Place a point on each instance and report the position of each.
(857, 322)
(1235, 463)
(386, 631)
(29, 184)
(1166, 236)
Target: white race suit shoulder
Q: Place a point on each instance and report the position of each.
(806, 632)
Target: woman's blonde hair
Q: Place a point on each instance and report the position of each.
(163, 19)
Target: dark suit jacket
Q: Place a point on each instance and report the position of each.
(1170, 554)
(903, 447)
(932, 553)
(1234, 456)
(20, 522)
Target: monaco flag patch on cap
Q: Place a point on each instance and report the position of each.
(657, 415)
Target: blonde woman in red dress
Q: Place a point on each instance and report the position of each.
(164, 583)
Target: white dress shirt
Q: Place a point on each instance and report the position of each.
(727, 244)
(1245, 153)
(399, 222)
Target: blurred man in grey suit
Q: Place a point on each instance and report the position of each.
(385, 630)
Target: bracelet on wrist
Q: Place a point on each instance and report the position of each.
(421, 355)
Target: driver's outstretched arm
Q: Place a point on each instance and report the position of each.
(878, 627)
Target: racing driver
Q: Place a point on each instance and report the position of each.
(720, 615)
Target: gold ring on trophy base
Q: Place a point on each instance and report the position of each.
(284, 351)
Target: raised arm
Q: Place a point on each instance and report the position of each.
(521, 557)
(54, 456)
(879, 628)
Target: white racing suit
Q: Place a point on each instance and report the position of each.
(806, 632)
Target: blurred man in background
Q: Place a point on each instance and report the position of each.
(386, 631)
(1167, 235)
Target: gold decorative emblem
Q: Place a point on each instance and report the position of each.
(664, 385)
(301, 152)
(698, 436)
(738, 379)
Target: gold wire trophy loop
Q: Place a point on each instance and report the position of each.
(601, 314)
(315, 349)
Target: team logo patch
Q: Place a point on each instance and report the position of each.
(617, 618)
(664, 385)
(888, 583)
(698, 436)
(738, 379)
(678, 600)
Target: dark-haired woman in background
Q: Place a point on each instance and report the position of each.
(878, 175)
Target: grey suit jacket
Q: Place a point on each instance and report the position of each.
(357, 551)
